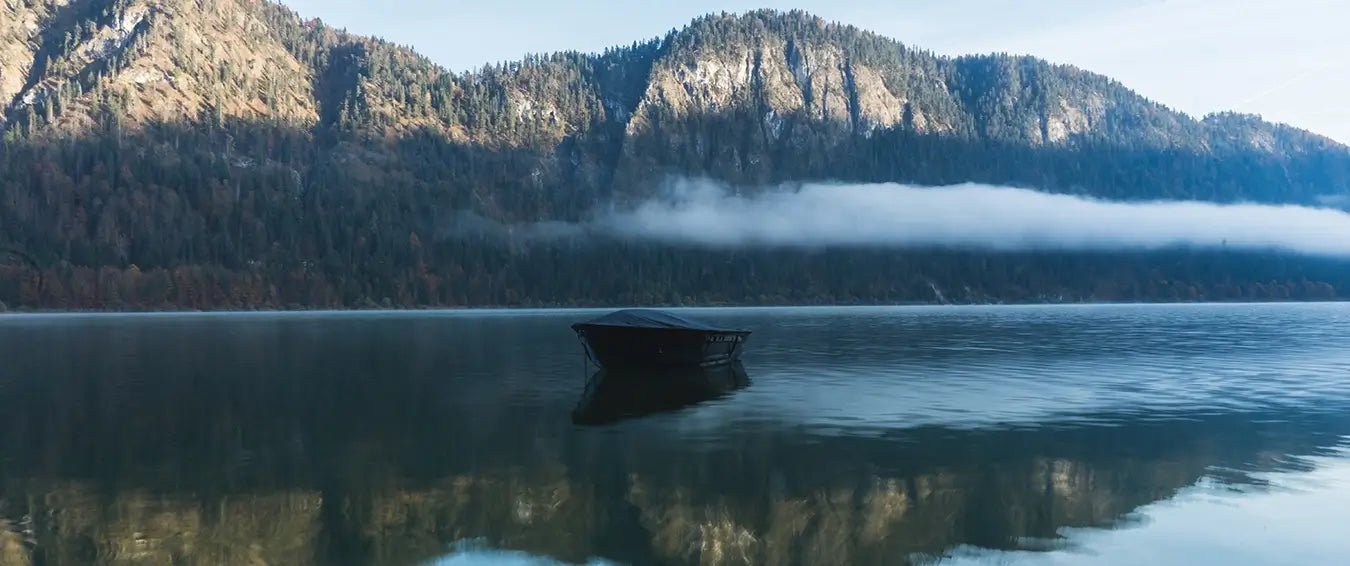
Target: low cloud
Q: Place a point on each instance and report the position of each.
(967, 216)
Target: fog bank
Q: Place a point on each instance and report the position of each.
(968, 216)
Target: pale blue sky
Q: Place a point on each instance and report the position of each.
(1286, 59)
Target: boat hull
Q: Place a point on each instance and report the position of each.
(617, 348)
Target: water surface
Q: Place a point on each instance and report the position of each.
(1200, 434)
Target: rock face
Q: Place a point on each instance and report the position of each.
(816, 80)
(161, 60)
(794, 82)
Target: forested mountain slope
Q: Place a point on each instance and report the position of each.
(227, 153)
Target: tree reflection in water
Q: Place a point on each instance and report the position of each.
(130, 447)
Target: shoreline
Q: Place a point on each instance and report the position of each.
(579, 308)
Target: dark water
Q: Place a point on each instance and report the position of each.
(1046, 435)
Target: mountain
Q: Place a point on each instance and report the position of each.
(228, 153)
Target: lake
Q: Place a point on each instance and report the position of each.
(1119, 435)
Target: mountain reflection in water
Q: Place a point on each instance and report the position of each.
(385, 440)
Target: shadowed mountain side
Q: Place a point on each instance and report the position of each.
(250, 215)
(487, 273)
(733, 146)
(238, 156)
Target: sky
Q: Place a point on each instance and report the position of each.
(1286, 60)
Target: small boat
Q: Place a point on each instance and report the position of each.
(646, 338)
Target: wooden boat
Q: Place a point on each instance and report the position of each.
(613, 396)
(646, 338)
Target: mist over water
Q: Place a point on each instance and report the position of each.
(968, 216)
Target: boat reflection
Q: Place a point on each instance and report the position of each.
(612, 396)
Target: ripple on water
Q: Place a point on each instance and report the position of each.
(897, 368)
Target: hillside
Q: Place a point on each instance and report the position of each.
(227, 153)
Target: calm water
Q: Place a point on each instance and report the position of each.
(1122, 435)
